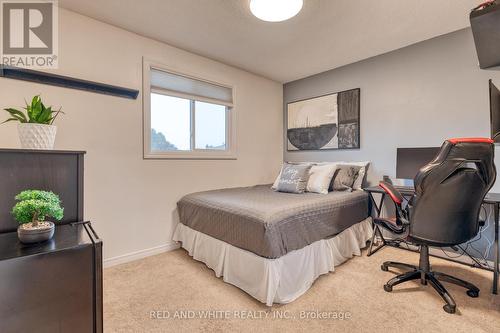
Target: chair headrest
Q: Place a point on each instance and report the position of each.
(470, 140)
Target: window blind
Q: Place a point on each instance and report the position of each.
(187, 87)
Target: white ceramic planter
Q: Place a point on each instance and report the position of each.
(37, 136)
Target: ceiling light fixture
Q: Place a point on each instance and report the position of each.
(275, 10)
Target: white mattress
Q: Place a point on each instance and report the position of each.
(280, 280)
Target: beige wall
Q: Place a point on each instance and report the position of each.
(130, 200)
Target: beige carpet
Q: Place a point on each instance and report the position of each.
(173, 284)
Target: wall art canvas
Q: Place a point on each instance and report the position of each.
(325, 122)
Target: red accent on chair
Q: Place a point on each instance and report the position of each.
(478, 140)
(392, 195)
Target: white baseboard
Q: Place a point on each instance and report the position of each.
(453, 255)
(438, 252)
(140, 254)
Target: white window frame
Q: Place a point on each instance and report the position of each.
(202, 154)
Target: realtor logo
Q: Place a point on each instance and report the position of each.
(29, 33)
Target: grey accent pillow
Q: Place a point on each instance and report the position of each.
(293, 178)
(344, 177)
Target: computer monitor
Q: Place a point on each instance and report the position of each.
(495, 112)
(410, 160)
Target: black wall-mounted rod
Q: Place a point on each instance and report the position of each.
(66, 82)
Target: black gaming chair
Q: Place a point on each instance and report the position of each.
(444, 211)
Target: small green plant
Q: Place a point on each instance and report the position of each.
(36, 113)
(34, 206)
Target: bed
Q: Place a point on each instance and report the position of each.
(270, 244)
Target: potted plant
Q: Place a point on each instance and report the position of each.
(36, 129)
(31, 210)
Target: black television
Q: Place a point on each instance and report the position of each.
(495, 112)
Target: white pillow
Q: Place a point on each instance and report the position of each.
(320, 177)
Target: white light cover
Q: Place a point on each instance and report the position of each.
(275, 10)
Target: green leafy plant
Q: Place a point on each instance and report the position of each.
(36, 113)
(34, 206)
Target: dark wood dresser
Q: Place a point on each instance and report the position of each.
(55, 286)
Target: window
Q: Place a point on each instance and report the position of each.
(186, 117)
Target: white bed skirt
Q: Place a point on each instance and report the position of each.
(280, 280)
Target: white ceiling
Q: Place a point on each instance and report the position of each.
(326, 34)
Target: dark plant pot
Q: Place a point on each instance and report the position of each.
(28, 235)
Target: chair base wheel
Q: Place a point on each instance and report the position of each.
(384, 268)
(450, 309)
(424, 275)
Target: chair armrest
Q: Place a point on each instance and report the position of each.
(402, 215)
(392, 192)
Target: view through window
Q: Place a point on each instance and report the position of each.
(174, 119)
(186, 117)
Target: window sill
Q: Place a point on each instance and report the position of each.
(189, 155)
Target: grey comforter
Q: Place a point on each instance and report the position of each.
(269, 223)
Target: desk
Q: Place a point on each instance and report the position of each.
(490, 199)
(494, 199)
(54, 286)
